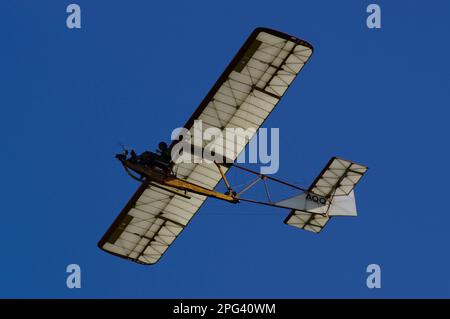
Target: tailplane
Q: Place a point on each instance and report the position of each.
(331, 194)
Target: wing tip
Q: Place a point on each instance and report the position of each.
(100, 246)
(284, 35)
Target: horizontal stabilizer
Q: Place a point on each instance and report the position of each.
(331, 194)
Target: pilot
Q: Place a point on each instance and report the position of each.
(164, 152)
(133, 156)
(146, 158)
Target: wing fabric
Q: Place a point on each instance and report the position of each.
(243, 97)
(338, 178)
(307, 221)
(149, 224)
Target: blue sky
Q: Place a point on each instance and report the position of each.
(138, 69)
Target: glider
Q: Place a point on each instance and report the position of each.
(244, 96)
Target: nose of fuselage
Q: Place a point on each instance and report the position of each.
(121, 157)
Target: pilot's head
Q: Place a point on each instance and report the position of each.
(162, 146)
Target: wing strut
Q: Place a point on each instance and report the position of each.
(230, 190)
